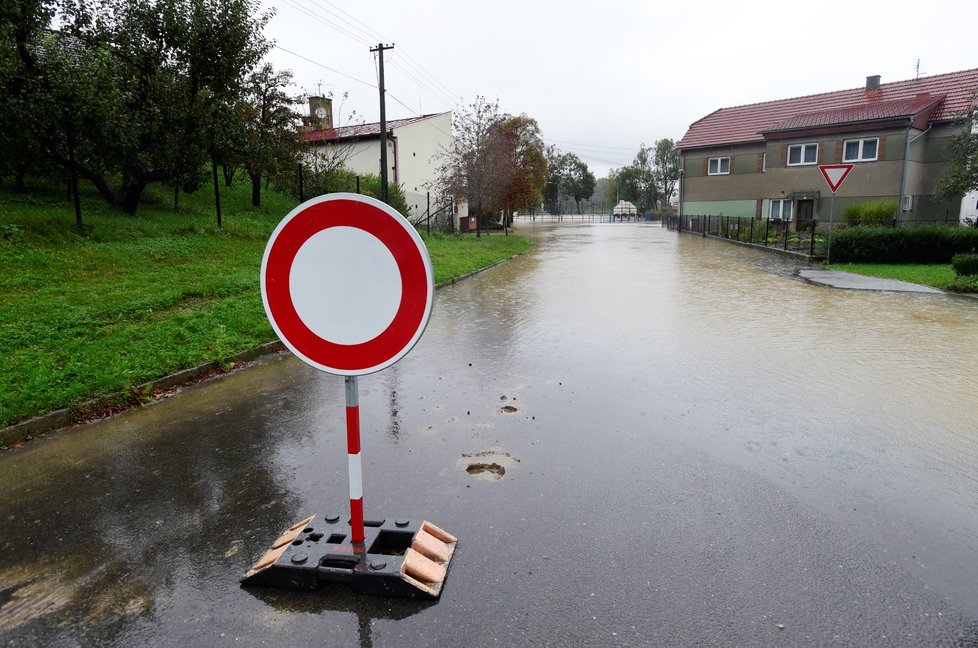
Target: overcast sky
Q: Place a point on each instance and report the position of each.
(603, 77)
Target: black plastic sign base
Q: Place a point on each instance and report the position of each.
(398, 557)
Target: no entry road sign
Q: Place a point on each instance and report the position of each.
(347, 284)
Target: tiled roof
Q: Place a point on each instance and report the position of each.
(742, 124)
(358, 131)
(867, 112)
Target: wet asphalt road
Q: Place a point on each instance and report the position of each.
(699, 449)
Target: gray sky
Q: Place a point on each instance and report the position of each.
(603, 77)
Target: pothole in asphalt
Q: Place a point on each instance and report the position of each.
(490, 465)
(509, 409)
(495, 470)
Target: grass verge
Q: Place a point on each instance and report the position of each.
(935, 275)
(136, 298)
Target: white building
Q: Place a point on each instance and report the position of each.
(413, 145)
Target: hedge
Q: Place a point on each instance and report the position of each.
(929, 244)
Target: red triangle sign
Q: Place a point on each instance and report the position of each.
(835, 174)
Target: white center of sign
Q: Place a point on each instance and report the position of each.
(333, 294)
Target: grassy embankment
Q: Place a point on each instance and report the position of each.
(140, 297)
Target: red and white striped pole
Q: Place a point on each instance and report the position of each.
(353, 456)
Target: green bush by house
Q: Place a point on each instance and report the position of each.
(880, 213)
(931, 244)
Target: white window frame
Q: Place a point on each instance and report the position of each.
(801, 157)
(764, 162)
(719, 161)
(781, 202)
(861, 157)
(907, 203)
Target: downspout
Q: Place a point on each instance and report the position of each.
(906, 162)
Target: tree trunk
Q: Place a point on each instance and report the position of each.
(228, 170)
(19, 185)
(255, 188)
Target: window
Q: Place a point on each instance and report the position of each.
(802, 154)
(907, 203)
(781, 209)
(719, 166)
(861, 150)
(763, 162)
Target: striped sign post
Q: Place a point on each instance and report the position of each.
(348, 287)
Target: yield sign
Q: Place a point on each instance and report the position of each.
(835, 174)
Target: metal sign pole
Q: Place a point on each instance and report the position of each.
(353, 455)
(828, 249)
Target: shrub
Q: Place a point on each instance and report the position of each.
(965, 265)
(967, 284)
(931, 244)
(879, 213)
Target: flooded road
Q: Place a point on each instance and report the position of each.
(692, 447)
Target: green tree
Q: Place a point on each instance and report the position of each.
(962, 173)
(270, 141)
(131, 92)
(568, 178)
(665, 164)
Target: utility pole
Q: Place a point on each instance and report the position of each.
(383, 118)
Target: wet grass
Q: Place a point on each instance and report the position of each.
(131, 299)
(935, 275)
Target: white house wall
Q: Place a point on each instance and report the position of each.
(412, 155)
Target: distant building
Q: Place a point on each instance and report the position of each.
(762, 159)
(413, 145)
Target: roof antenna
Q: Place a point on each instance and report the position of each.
(917, 75)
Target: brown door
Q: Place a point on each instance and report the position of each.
(806, 212)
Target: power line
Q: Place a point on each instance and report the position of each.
(333, 70)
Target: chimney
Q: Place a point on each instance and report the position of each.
(872, 83)
(320, 112)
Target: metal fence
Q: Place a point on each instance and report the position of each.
(801, 236)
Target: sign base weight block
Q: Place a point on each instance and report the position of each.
(401, 557)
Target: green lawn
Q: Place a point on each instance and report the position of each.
(936, 275)
(140, 297)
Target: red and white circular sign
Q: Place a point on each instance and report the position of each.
(347, 284)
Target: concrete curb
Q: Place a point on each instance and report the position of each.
(150, 392)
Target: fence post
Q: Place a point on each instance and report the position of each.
(752, 231)
(706, 227)
(811, 251)
(767, 229)
(786, 229)
(428, 222)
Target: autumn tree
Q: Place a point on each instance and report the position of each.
(495, 162)
(519, 162)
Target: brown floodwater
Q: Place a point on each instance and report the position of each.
(639, 437)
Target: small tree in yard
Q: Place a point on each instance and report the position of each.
(270, 141)
(962, 174)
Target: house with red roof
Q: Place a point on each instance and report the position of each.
(761, 160)
(413, 145)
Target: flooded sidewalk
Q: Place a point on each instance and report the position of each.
(639, 439)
